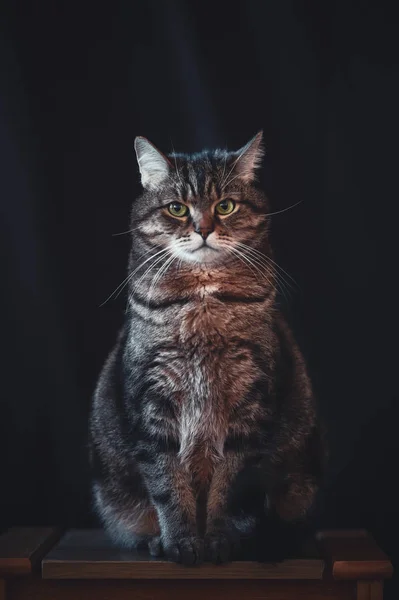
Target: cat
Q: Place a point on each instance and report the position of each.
(203, 416)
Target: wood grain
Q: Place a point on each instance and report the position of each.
(290, 569)
(89, 554)
(46, 589)
(353, 555)
(370, 590)
(21, 549)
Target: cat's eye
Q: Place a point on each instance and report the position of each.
(225, 207)
(177, 209)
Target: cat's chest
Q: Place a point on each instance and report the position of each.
(206, 324)
(213, 359)
(211, 374)
(208, 371)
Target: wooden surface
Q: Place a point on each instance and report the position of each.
(354, 555)
(370, 590)
(88, 554)
(21, 550)
(47, 589)
(349, 566)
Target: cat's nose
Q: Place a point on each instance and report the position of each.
(204, 228)
(203, 232)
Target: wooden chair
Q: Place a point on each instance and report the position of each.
(40, 564)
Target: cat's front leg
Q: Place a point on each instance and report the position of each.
(222, 538)
(170, 488)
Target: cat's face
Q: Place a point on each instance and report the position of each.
(202, 209)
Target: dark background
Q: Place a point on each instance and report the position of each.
(77, 82)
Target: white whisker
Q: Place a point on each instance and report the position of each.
(230, 181)
(224, 167)
(274, 274)
(268, 259)
(223, 185)
(241, 259)
(128, 231)
(166, 254)
(257, 258)
(151, 267)
(284, 285)
(277, 212)
(281, 268)
(177, 170)
(125, 281)
(121, 286)
(253, 261)
(160, 274)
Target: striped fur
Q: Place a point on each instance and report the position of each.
(205, 382)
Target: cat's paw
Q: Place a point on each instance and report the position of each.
(221, 546)
(155, 546)
(188, 551)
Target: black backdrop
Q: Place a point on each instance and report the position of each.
(78, 81)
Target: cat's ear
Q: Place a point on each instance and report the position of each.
(154, 166)
(249, 158)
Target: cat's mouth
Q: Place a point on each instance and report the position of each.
(204, 253)
(205, 246)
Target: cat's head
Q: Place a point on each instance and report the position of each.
(204, 208)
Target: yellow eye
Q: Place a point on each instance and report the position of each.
(177, 209)
(225, 207)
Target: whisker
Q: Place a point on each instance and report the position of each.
(149, 250)
(258, 265)
(170, 256)
(268, 259)
(281, 283)
(151, 267)
(223, 185)
(153, 256)
(284, 285)
(127, 279)
(241, 259)
(179, 263)
(251, 260)
(224, 166)
(131, 230)
(121, 285)
(277, 212)
(159, 275)
(230, 181)
(177, 170)
(281, 268)
(125, 232)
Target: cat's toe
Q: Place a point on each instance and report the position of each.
(219, 547)
(155, 546)
(187, 551)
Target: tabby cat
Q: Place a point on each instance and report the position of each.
(203, 411)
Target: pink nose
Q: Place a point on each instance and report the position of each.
(204, 227)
